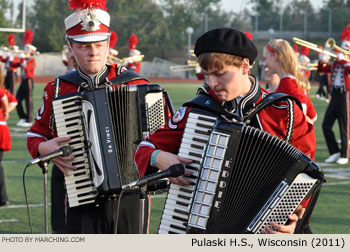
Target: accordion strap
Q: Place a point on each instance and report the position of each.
(124, 77)
(205, 102)
(72, 77)
(127, 76)
(273, 99)
(269, 100)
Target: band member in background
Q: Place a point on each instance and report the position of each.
(304, 60)
(225, 56)
(113, 53)
(132, 64)
(10, 59)
(5, 144)
(89, 45)
(322, 92)
(272, 80)
(296, 50)
(7, 104)
(68, 59)
(12, 101)
(338, 108)
(281, 59)
(25, 90)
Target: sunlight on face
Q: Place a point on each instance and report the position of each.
(227, 83)
(271, 61)
(91, 56)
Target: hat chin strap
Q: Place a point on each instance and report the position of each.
(76, 58)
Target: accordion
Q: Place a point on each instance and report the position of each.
(243, 178)
(105, 126)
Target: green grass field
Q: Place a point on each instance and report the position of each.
(331, 214)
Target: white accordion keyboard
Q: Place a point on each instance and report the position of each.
(177, 206)
(79, 184)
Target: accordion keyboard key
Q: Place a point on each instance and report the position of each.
(79, 185)
(177, 206)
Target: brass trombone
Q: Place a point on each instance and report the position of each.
(182, 68)
(191, 65)
(122, 61)
(313, 46)
(192, 53)
(16, 52)
(330, 43)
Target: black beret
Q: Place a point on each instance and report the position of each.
(226, 40)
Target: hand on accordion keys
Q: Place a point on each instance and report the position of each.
(53, 145)
(165, 159)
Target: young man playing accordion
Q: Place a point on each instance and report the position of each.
(225, 56)
(88, 34)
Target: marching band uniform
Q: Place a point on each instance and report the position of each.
(133, 65)
(323, 78)
(5, 145)
(304, 60)
(44, 129)
(338, 109)
(272, 119)
(288, 85)
(10, 65)
(25, 91)
(68, 60)
(99, 217)
(113, 53)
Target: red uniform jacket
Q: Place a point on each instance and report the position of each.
(10, 65)
(135, 66)
(5, 138)
(273, 119)
(288, 85)
(28, 67)
(43, 128)
(330, 67)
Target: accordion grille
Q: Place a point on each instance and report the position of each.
(125, 120)
(155, 112)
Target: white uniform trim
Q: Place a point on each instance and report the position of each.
(31, 134)
(147, 143)
(76, 17)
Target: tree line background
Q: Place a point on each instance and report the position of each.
(161, 25)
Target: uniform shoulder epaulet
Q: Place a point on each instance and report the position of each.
(72, 77)
(127, 76)
(203, 101)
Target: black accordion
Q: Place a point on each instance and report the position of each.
(105, 126)
(243, 178)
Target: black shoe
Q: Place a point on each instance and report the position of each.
(4, 204)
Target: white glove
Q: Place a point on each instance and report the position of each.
(340, 56)
(198, 68)
(22, 55)
(10, 55)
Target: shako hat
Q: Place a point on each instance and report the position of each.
(89, 22)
